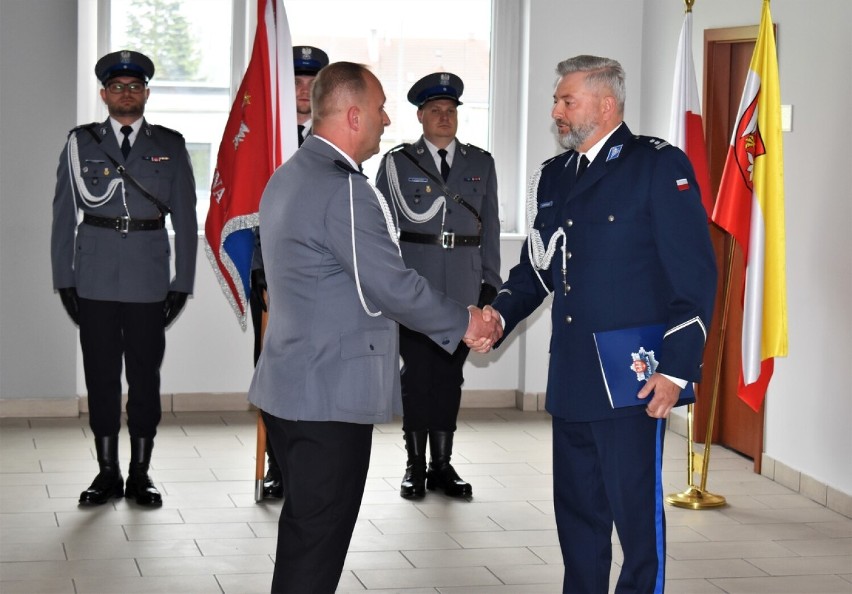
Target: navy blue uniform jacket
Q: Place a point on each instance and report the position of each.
(638, 252)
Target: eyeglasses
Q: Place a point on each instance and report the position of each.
(117, 88)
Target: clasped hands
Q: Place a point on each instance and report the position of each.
(484, 329)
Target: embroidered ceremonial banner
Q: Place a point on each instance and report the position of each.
(750, 206)
(686, 130)
(258, 138)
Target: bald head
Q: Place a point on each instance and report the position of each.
(348, 106)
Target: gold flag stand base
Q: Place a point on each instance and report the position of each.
(695, 498)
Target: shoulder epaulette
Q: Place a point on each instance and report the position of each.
(398, 147)
(652, 142)
(476, 148)
(164, 129)
(552, 159)
(82, 127)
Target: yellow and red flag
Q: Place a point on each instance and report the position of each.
(258, 137)
(750, 206)
(686, 130)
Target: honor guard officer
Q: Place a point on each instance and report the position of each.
(112, 268)
(307, 62)
(445, 198)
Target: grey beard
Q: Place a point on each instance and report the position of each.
(575, 137)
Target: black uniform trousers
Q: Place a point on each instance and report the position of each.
(610, 472)
(431, 382)
(135, 332)
(324, 468)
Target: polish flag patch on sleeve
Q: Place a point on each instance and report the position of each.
(682, 184)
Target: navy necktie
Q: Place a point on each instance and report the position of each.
(445, 167)
(581, 165)
(301, 131)
(125, 144)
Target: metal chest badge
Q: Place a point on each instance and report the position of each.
(644, 364)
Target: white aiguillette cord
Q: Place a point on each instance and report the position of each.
(391, 234)
(538, 255)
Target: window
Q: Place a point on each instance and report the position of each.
(190, 44)
(402, 41)
(201, 47)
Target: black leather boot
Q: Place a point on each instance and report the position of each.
(441, 474)
(139, 485)
(273, 487)
(414, 482)
(109, 482)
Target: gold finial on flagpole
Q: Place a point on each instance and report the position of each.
(689, 4)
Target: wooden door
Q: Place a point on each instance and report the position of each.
(727, 55)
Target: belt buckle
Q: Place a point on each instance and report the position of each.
(123, 225)
(448, 240)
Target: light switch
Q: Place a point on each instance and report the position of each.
(786, 118)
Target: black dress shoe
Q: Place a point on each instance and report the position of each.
(105, 486)
(141, 488)
(273, 487)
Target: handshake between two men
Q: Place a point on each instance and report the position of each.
(484, 329)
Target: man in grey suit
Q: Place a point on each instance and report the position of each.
(338, 288)
(112, 268)
(445, 198)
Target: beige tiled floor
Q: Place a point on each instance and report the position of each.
(211, 537)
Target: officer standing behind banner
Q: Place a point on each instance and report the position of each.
(112, 269)
(445, 197)
(307, 62)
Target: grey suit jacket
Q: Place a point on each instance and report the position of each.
(324, 358)
(101, 263)
(458, 272)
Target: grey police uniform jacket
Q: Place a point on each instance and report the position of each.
(458, 272)
(103, 263)
(324, 357)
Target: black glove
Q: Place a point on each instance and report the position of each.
(258, 286)
(71, 303)
(486, 295)
(175, 300)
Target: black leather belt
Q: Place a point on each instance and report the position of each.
(446, 240)
(124, 224)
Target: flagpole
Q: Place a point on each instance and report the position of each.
(698, 497)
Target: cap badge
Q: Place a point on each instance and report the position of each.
(125, 57)
(306, 53)
(445, 78)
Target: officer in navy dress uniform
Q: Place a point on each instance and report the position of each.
(307, 62)
(445, 198)
(111, 267)
(621, 244)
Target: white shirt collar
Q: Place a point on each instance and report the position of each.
(116, 128)
(335, 147)
(596, 148)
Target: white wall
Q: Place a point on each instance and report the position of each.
(808, 409)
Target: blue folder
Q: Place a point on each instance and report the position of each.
(628, 357)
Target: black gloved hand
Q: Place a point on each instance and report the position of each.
(71, 303)
(258, 287)
(175, 300)
(487, 293)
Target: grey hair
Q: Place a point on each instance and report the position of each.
(601, 72)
